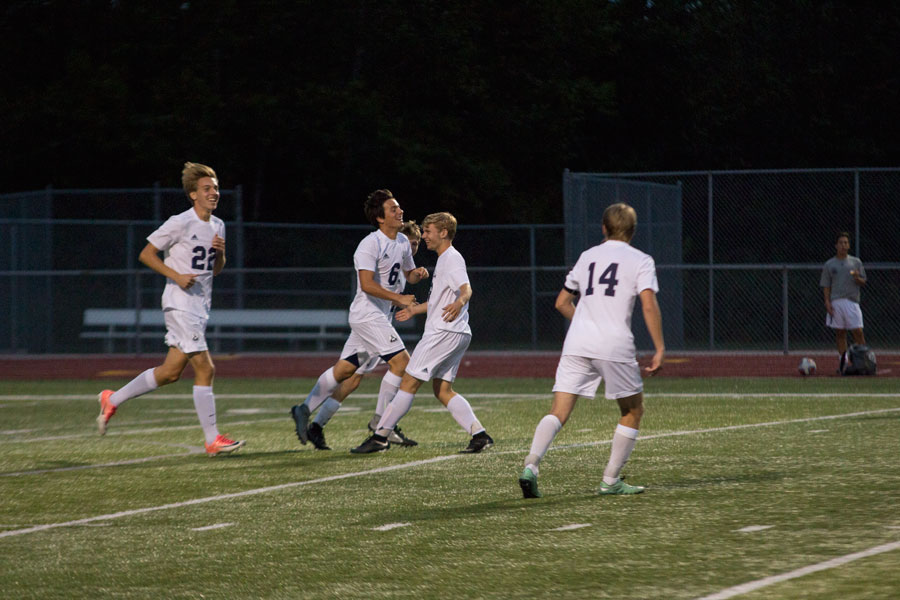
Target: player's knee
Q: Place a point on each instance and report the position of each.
(166, 377)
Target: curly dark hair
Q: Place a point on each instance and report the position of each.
(374, 206)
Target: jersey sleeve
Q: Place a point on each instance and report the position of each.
(167, 235)
(646, 276)
(366, 256)
(825, 279)
(571, 284)
(861, 269)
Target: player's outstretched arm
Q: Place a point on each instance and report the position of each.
(653, 319)
(408, 313)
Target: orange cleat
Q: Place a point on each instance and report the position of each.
(107, 410)
(222, 445)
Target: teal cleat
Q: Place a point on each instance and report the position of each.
(619, 488)
(528, 483)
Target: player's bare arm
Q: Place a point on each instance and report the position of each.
(408, 313)
(565, 303)
(828, 308)
(653, 319)
(219, 245)
(416, 275)
(452, 310)
(150, 257)
(368, 285)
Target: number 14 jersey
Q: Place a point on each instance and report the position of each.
(607, 278)
(186, 242)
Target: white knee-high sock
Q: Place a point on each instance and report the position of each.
(140, 385)
(461, 410)
(622, 444)
(398, 407)
(326, 411)
(205, 404)
(390, 383)
(544, 434)
(323, 388)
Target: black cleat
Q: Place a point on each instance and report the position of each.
(397, 437)
(300, 412)
(374, 443)
(480, 441)
(317, 436)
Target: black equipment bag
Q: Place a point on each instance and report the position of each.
(860, 361)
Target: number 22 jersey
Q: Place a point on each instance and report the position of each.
(607, 277)
(186, 242)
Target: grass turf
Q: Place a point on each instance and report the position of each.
(809, 464)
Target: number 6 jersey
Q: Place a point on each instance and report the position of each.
(186, 242)
(607, 277)
(389, 260)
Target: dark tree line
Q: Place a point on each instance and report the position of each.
(473, 106)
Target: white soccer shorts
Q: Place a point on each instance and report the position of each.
(847, 315)
(437, 355)
(185, 331)
(581, 376)
(372, 339)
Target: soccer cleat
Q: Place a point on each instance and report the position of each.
(374, 443)
(480, 441)
(619, 488)
(107, 410)
(222, 445)
(300, 412)
(397, 437)
(317, 436)
(528, 483)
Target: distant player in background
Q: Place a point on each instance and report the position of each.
(446, 337)
(842, 277)
(382, 260)
(193, 243)
(349, 385)
(600, 345)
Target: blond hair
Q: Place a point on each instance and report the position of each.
(442, 220)
(620, 221)
(411, 230)
(192, 173)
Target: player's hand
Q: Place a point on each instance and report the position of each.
(406, 301)
(185, 281)
(656, 364)
(829, 309)
(451, 311)
(219, 244)
(403, 315)
(422, 273)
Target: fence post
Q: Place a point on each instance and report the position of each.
(856, 209)
(712, 319)
(784, 308)
(533, 262)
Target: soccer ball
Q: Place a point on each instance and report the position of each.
(807, 366)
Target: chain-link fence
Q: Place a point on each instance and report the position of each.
(752, 245)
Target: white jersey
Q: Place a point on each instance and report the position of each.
(186, 241)
(449, 275)
(388, 259)
(608, 277)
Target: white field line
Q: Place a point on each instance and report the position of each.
(751, 586)
(548, 396)
(417, 463)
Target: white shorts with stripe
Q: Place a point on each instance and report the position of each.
(847, 315)
(437, 355)
(185, 331)
(372, 339)
(581, 376)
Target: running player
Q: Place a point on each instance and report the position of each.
(600, 345)
(382, 260)
(193, 243)
(447, 336)
(331, 405)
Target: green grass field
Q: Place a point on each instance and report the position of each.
(748, 479)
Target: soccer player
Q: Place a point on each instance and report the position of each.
(842, 277)
(599, 345)
(331, 405)
(193, 243)
(382, 260)
(446, 337)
